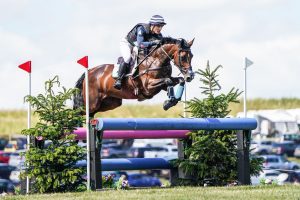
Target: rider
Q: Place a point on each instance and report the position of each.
(143, 36)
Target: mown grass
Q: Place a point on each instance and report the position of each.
(209, 193)
(13, 121)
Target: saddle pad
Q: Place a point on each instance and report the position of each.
(114, 73)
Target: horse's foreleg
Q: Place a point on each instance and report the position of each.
(180, 89)
(174, 97)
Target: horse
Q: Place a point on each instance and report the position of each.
(153, 74)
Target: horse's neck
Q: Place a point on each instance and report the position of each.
(165, 54)
(160, 58)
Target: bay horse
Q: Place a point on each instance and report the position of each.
(153, 74)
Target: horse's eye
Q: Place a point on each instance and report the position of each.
(184, 58)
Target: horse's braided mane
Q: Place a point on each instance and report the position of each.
(181, 42)
(169, 40)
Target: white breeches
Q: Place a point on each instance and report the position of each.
(126, 49)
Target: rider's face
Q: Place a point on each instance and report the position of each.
(156, 28)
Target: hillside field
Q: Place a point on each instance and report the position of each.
(13, 121)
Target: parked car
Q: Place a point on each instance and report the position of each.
(5, 170)
(21, 141)
(6, 186)
(169, 152)
(289, 177)
(15, 176)
(4, 157)
(17, 159)
(265, 174)
(15, 144)
(284, 148)
(142, 180)
(295, 137)
(3, 143)
(153, 142)
(11, 147)
(297, 152)
(139, 152)
(261, 147)
(278, 162)
(116, 151)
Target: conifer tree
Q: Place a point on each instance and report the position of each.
(212, 156)
(53, 168)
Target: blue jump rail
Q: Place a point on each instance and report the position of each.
(135, 164)
(115, 164)
(175, 124)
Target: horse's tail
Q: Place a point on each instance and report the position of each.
(78, 98)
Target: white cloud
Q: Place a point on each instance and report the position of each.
(16, 46)
(56, 34)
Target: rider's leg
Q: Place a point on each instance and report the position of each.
(121, 73)
(125, 48)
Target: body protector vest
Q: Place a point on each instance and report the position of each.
(132, 35)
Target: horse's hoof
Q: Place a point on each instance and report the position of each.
(169, 103)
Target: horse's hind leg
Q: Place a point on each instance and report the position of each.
(110, 103)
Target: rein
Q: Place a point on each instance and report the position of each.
(147, 56)
(149, 69)
(157, 68)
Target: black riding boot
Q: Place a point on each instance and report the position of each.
(121, 73)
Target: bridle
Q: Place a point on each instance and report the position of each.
(180, 66)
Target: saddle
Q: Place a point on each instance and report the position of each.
(133, 64)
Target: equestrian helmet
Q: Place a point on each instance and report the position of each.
(157, 20)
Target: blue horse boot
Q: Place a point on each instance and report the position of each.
(173, 100)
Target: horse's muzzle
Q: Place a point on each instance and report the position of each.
(189, 76)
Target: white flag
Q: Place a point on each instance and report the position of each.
(248, 62)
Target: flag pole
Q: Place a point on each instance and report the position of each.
(247, 64)
(27, 67)
(84, 62)
(87, 111)
(245, 89)
(28, 126)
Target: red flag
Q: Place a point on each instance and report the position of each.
(84, 61)
(26, 66)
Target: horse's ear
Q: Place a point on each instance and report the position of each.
(191, 42)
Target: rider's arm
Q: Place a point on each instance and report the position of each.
(140, 38)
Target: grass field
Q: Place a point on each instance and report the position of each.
(13, 121)
(289, 192)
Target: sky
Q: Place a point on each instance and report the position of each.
(55, 34)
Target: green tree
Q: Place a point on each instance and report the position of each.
(52, 169)
(212, 155)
